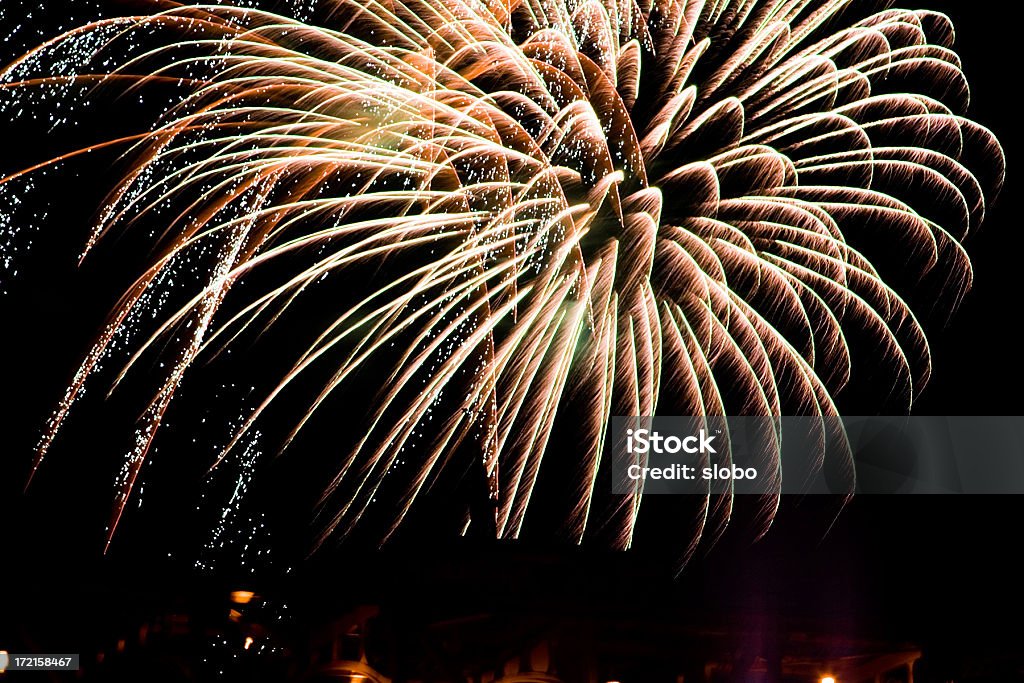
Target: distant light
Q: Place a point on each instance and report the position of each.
(828, 679)
(248, 642)
(242, 597)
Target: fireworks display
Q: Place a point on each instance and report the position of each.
(541, 213)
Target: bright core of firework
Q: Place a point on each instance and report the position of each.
(563, 209)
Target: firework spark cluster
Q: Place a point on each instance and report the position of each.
(548, 211)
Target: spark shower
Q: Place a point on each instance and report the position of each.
(543, 213)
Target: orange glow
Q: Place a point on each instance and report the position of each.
(248, 642)
(242, 597)
(828, 679)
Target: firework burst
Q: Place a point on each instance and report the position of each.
(549, 211)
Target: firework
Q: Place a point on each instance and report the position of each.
(551, 212)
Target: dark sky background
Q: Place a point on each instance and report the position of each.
(940, 570)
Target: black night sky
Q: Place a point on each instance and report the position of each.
(942, 572)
